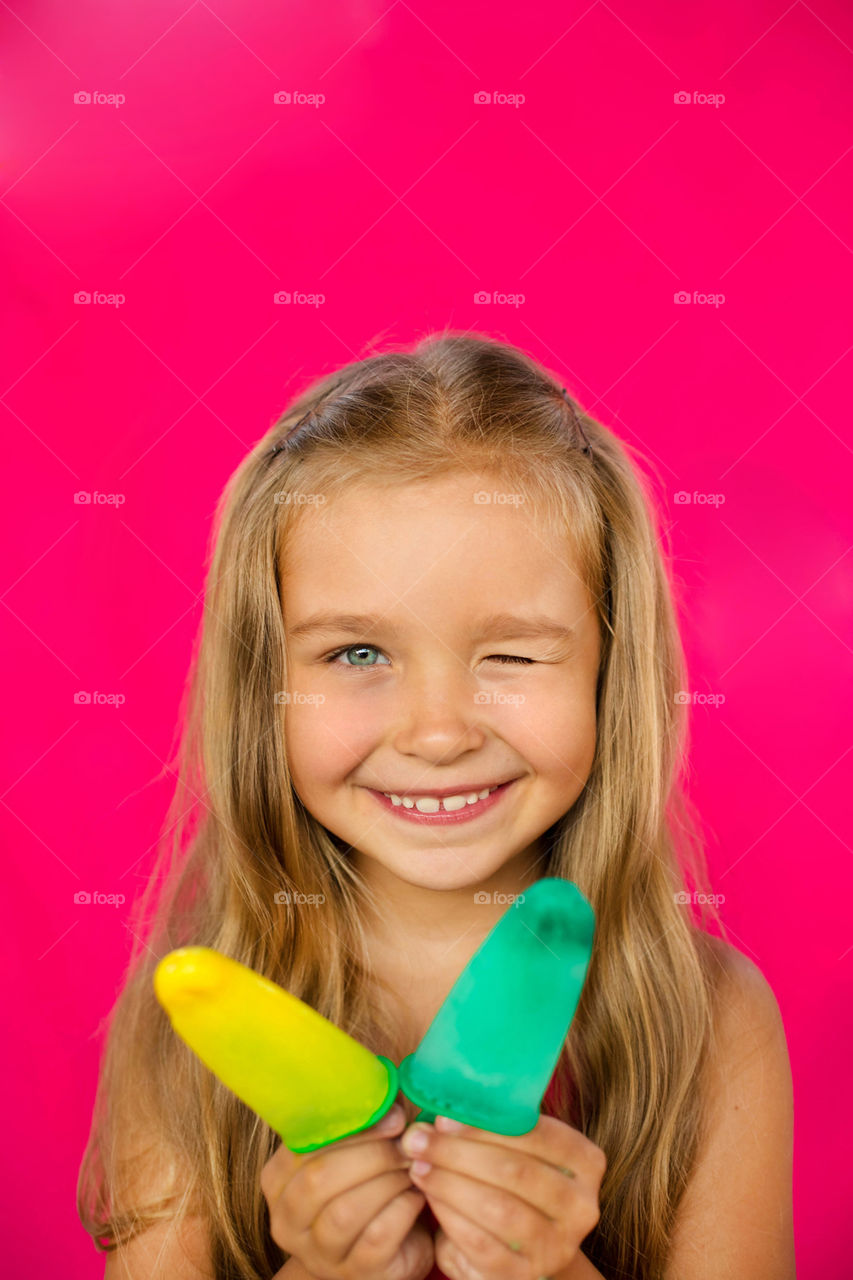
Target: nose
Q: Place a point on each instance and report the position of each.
(439, 719)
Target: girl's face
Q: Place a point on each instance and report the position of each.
(423, 700)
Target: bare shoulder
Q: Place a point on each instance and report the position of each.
(175, 1247)
(735, 1217)
(747, 1015)
(166, 1251)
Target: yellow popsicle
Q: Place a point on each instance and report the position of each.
(311, 1082)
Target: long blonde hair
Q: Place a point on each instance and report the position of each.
(167, 1138)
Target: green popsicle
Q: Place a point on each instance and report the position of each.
(490, 1051)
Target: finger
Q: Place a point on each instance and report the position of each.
(547, 1245)
(284, 1164)
(391, 1123)
(550, 1140)
(514, 1224)
(453, 1261)
(543, 1186)
(466, 1246)
(390, 1232)
(278, 1171)
(341, 1221)
(334, 1170)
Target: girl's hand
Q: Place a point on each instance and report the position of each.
(509, 1208)
(346, 1211)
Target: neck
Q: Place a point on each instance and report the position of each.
(419, 939)
(430, 917)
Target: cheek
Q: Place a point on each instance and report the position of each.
(325, 741)
(557, 734)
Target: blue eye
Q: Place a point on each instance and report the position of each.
(355, 648)
(370, 648)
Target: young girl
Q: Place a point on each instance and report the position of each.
(437, 577)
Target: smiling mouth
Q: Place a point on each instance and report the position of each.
(459, 807)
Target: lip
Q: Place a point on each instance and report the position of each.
(468, 814)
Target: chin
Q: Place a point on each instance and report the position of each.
(439, 869)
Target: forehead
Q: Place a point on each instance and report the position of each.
(439, 547)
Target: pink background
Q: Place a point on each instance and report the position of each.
(399, 198)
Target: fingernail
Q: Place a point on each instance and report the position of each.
(448, 1124)
(414, 1140)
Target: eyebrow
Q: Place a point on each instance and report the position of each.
(497, 626)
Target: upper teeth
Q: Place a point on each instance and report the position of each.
(432, 804)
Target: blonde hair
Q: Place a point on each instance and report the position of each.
(167, 1138)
